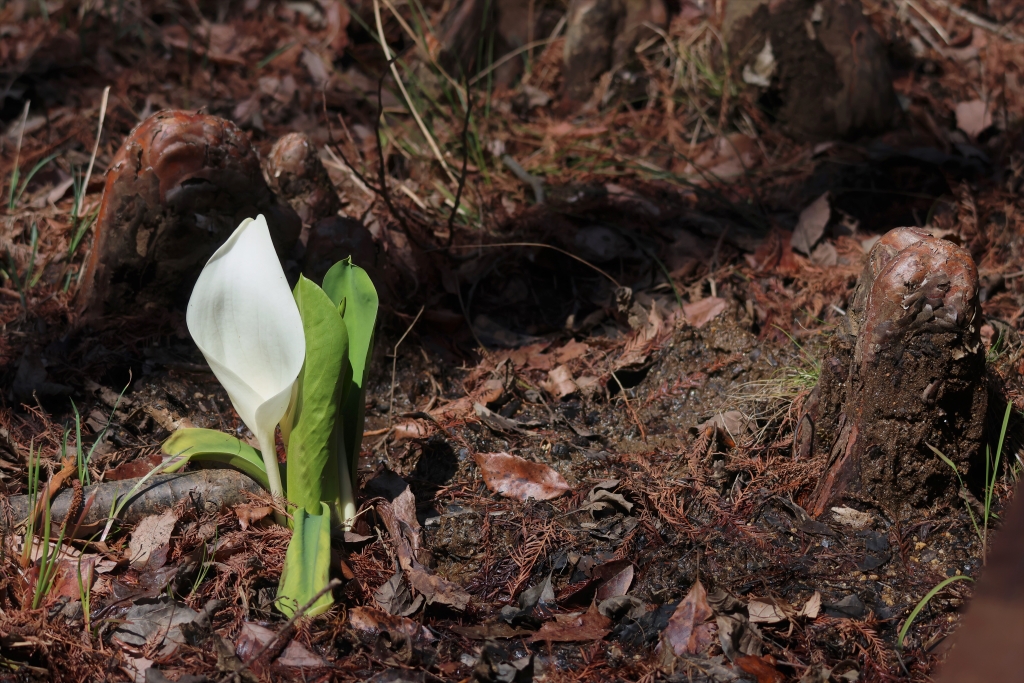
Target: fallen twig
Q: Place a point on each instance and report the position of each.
(629, 407)
(223, 487)
(394, 363)
(462, 175)
(236, 674)
(972, 18)
(533, 181)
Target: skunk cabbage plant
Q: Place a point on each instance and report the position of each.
(290, 359)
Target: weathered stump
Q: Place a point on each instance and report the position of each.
(178, 187)
(906, 371)
(297, 175)
(819, 60)
(600, 35)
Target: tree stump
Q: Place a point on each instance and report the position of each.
(907, 370)
(178, 187)
(599, 36)
(297, 175)
(824, 69)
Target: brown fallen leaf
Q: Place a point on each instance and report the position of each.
(437, 590)
(460, 407)
(532, 357)
(615, 585)
(590, 625)
(689, 629)
(514, 477)
(395, 597)
(66, 580)
(498, 423)
(68, 468)
(251, 514)
(601, 498)
(152, 533)
(413, 429)
(642, 341)
(571, 351)
(559, 382)
(852, 517)
(588, 384)
(373, 622)
(406, 541)
(973, 117)
(811, 226)
(702, 312)
(812, 606)
(139, 467)
(762, 669)
(490, 391)
(254, 637)
(729, 425)
(768, 611)
(726, 158)
(825, 255)
(607, 580)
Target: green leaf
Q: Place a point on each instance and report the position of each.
(312, 459)
(351, 289)
(208, 445)
(306, 564)
(920, 606)
(347, 283)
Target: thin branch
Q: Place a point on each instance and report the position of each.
(544, 246)
(394, 363)
(237, 674)
(382, 171)
(465, 160)
(629, 408)
(405, 93)
(341, 152)
(382, 189)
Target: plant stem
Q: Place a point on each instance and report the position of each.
(268, 449)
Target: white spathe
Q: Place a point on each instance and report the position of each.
(244, 319)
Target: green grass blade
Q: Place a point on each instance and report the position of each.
(952, 466)
(307, 564)
(16, 196)
(942, 456)
(920, 606)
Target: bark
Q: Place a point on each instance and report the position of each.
(297, 175)
(213, 488)
(178, 187)
(600, 35)
(908, 370)
(831, 75)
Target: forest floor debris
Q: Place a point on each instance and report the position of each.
(611, 485)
